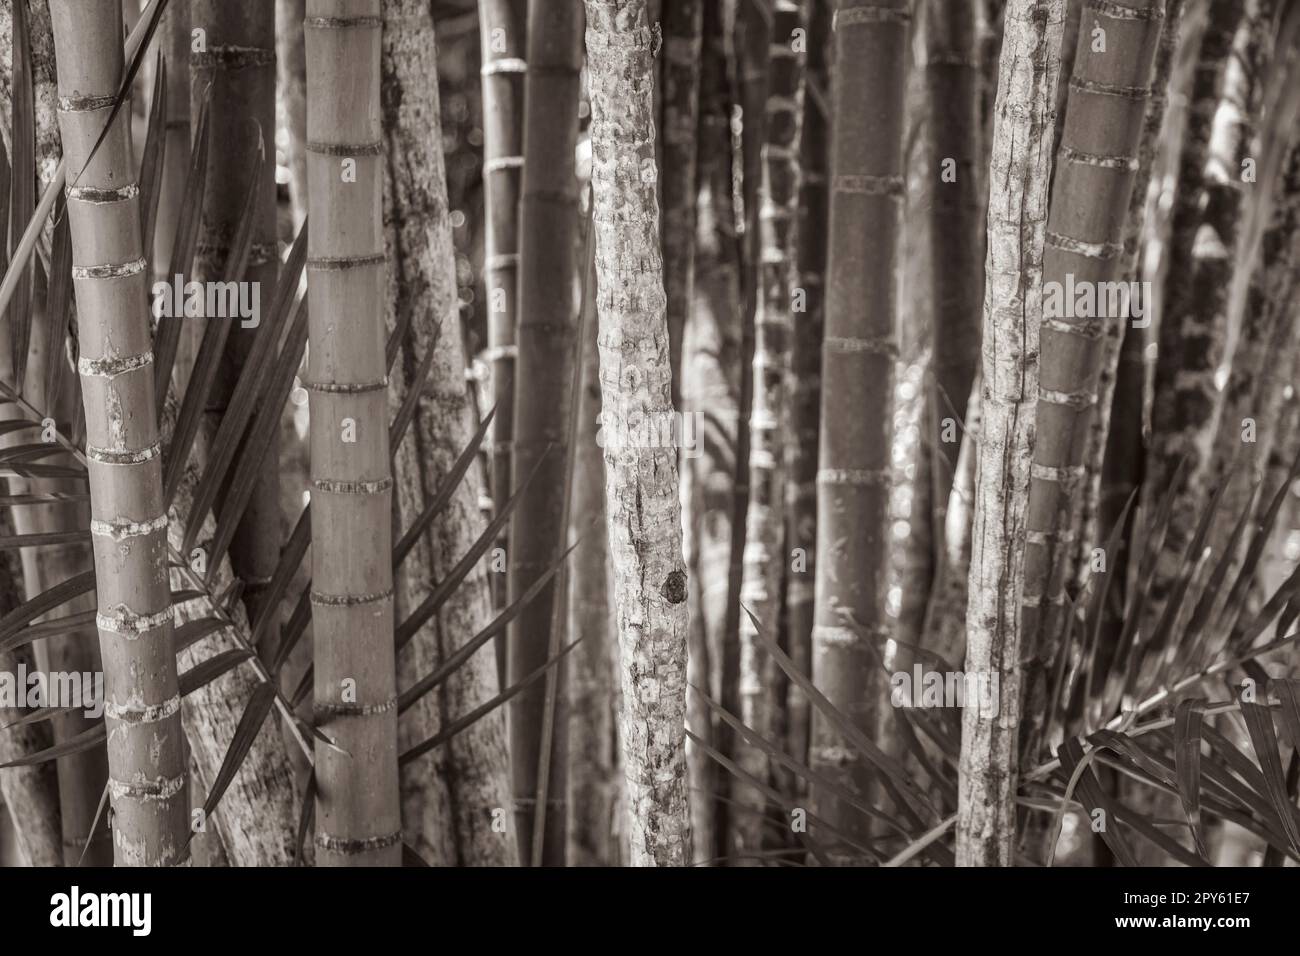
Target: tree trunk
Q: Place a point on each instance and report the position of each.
(1019, 173)
(806, 368)
(357, 808)
(146, 752)
(765, 522)
(858, 356)
(448, 797)
(503, 43)
(237, 64)
(548, 221)
(641, 486)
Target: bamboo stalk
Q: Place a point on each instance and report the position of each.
(147, 771)
(858, 356)
(357, 812)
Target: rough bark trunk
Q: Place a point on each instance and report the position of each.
(447, 808)
(641, 487)
(1020, 171)
(549, 270)
(859, 351)
(357, 806)
(146, 756)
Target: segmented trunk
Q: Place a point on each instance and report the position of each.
(1190, 344)
(644, 516)
(774, 325)
(806, 368)
(858, 356)
(1121, 382)
(504, 36)
(52, 388)
(237, 63)
(146, 752)
(549, 269)
(357, 813)
(1096, 167)
(1019, 173)
(449, 797)
(683, 25)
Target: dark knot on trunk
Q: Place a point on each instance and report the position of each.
(674, 589)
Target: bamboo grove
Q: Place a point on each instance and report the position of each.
(649, 432)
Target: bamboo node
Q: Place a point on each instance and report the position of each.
(343, 23)
(333, 844)
(85, 104)
(1045, 538)
(861, 477)
(838, 343)
(162, 788)
(345, 149)
(500, 353)
(1071, 155)
(501, 163)
(872, 13)
(888, 186)
(347, 388)
(502, 260)
(143, 713)
(321, 599)
(93, 195)
(113, 367)
(1124, 11)
(120, 456)
(326, 709)
(1093, 328)
(352, 487)
(1079, 247)
(110, 270)
(339, 263)
(124, 622)
(1067, 476)
(232, 57)
(1109, 89)
(121, 530)
(1075, 400)
(506, 64)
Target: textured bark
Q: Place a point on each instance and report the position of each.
(549, 268)
(291, 88)
(764, 558)
(44, 89)
(593, 782)
(357, 807)
(1190, 338)
(504, 38)
(858, 356)
(683, 25)
(238, 66)
(450, 795)
(31, 794)
(257, 817)
(1096, 166)
(644, 516)
(711, 367)
(806, 367)
(1020, 171)
(145, 748)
